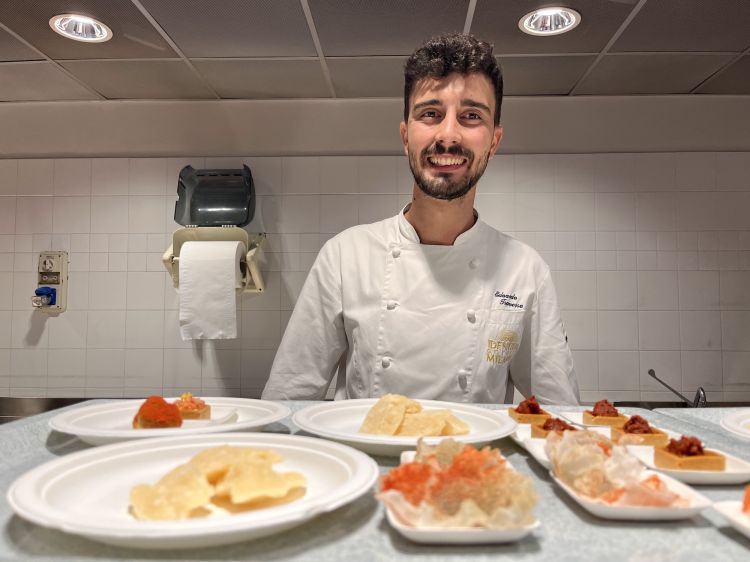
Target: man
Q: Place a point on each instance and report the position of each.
(432, 303)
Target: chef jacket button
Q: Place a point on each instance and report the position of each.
(396, 252)
(474, 263)
(386, 362)
(471, 316)
(462, 381)
(390, 305)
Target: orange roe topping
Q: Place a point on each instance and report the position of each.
(410, 479)
(746, 501)
(158, 412)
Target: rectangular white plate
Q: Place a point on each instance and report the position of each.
(698, 503)
(732, 512)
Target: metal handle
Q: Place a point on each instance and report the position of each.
(700, 396)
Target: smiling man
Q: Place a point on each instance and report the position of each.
(432, 303)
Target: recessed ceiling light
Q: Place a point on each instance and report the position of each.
(549, 21)
(80, 28)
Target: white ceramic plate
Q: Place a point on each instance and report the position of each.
(698, 503)
(457, 535)
(340, 421)
(737, 470)
(454, 535)
(732, 512)
(738, 424)
(99, 424)
(86, 493)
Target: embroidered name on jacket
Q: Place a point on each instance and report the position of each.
(502, 348)
(508, 299)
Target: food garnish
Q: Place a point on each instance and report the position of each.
(596, 468)
(455, 485)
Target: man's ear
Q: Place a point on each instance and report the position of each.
(497, 136)
(404, 136)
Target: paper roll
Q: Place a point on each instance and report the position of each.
(209, 274)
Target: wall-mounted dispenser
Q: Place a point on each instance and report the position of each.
(212, 259)
(51, 294)
(212, 205)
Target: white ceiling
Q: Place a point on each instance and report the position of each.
(272, 49)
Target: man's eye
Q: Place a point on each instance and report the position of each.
(473, 115)
(430, 114)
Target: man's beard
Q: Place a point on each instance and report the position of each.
(443, 187)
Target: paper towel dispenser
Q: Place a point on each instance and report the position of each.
(212, 205)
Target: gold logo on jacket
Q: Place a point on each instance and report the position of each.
(502, 349)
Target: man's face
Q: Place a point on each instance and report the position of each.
(450, 134)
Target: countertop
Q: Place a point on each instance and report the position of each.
(358, 532)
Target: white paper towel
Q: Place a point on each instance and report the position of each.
(209, 274)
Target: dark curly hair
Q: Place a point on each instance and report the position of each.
(449, 53)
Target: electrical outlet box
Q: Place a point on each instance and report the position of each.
(51, 294)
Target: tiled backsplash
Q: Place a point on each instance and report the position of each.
(650, 253)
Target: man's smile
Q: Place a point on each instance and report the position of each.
(446, 163)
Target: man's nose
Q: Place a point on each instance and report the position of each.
(449, 131)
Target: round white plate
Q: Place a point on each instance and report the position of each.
(458, 535)
(100, 424)
(698, 503)
(732, 512)
(738, 424)
(737, 470)
(87, 493)
(340, 421)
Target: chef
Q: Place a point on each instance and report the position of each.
(432, 303)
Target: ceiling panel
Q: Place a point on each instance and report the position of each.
(733, 80)
(116, 79)
(688, 25)
(650, 74)
(361, 77)
(38, 81)
(265, 79)
(497, 23)
(235, 28)
(12, 49)
(133, 36)
(383, 27)
(542, 76)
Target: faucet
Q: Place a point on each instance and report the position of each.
(699, 401)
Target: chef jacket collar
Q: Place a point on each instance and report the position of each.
(408, 232)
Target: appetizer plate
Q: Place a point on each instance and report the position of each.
(738, 424)
(732, 512)
(340, 421)
(87, 493)
(457, 535)
(737, 470)
(698, 503)
(100, 424)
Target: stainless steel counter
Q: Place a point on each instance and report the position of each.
(358, 532)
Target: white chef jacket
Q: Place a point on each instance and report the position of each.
(392, 315)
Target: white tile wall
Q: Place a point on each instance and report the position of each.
(650, 255)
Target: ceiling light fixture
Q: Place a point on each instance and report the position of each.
(549, 21)
(80, 28)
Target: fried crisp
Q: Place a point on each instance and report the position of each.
(385, 417)
(424, 424)
(180, 494)
(215, 462)
(251, 481)
(233, 478)
(394, 414)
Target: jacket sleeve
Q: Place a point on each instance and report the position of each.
(314, 340)
(543, 364)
